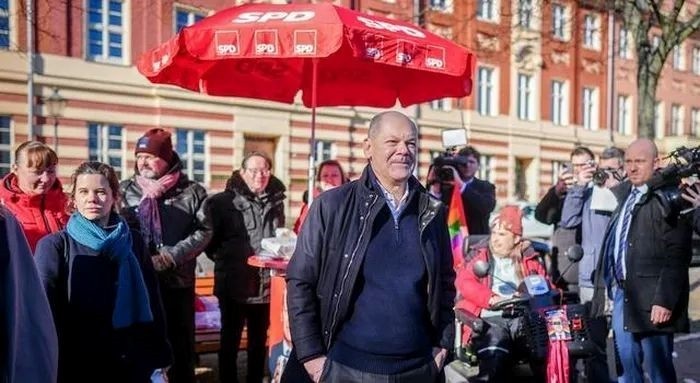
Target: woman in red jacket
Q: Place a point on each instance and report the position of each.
(510, 259)
(330, 175)
(33, 193)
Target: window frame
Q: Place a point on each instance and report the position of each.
(590, 116)
(192, 14)
(103, 152)
(525, 14)
(695, 122)
(678, 57)
(320, 150)
(676, 128)
(441, 104)
(6, 126)
(189, 157)
(624, 115)
(591, 37)
(625, 52)
(525, 97)
(7, 15)
(490, 8)
(486, 92)
(558, 107)
(559, 31)
(696, 60)
(487, 168)
(106, 29)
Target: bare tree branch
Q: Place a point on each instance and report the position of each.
(689, 27)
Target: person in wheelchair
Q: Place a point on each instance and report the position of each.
(510, 257)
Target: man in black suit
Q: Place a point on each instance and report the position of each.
(478, 196)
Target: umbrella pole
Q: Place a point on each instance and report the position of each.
(312, 140)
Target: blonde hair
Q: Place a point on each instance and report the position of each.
(38, 155)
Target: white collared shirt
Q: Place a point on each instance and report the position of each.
(396, 207)
(618, 227)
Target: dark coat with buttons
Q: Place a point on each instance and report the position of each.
(90, 349)
(329, 257)
(657, 262)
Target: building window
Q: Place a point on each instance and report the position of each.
(525, 13)
(190, 145)
(441, 5)
(105, 145)
(676, 120)
(591, 32)
(625, 51)
(105, 30)
(486, 10)
(325, 150)
(5, 145)
(442, 104)
(485, 97)
(186, 17)
(558, 21)
(658, 119)
(556, 169)
(624, 117)
(695, 122)
(678, 57)
(559, 105)
(590, 108)
(4, 24)
(487, 169)
(525, 97)
(696, 60)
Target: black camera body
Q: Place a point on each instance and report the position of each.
(441, 163)
(599, 177)
(685, 162)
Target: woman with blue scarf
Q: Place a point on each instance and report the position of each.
(102, 289)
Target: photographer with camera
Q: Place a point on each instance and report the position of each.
(549, 211)
(459, 171)
(588, 206)
(644, 268)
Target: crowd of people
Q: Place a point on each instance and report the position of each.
(99, 284)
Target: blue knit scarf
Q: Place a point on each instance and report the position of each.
(132, 304)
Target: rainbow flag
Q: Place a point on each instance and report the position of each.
(457, 227)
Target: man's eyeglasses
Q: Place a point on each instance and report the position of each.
(262, 172)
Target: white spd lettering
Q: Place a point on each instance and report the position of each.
(383, 25)
(226, 49)
(304, 49)
(404, 58)
(263, 17)
(434, 63)
(265, 48)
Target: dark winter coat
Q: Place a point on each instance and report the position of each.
(241, 220)
(28, 344)
(186, 229)
(89, 347)
(329, 257)
(657, 261)
(479, 200)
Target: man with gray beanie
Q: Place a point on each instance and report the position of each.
(170, 211)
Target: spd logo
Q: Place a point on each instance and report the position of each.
(266, 42)
(374, 47)
(263, 17)
(305, 42)
(386, 26)
(227, 43)
(405, 52)
(435, 57)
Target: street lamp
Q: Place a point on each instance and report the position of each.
(56, 104)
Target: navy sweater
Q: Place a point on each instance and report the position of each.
(388, 328)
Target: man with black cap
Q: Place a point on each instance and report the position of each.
(169, 209)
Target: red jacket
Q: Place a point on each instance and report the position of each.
(38, 215)
(474, 292)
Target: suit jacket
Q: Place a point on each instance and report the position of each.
(657, 261)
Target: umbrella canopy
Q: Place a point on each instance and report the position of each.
(342, 57)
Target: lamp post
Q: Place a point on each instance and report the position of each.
(56, 104)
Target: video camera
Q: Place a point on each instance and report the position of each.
(451, 139)
(684, 162)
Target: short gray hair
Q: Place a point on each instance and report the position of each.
(613, 152)
(375, 124)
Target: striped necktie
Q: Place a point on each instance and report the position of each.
(622, 246)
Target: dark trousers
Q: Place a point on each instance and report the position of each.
(651, 350)
(233, 316)
(179, 315)
(497, 348)
(336, 372)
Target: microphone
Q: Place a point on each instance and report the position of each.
(574, 253)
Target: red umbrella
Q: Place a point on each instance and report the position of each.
(334, 55)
